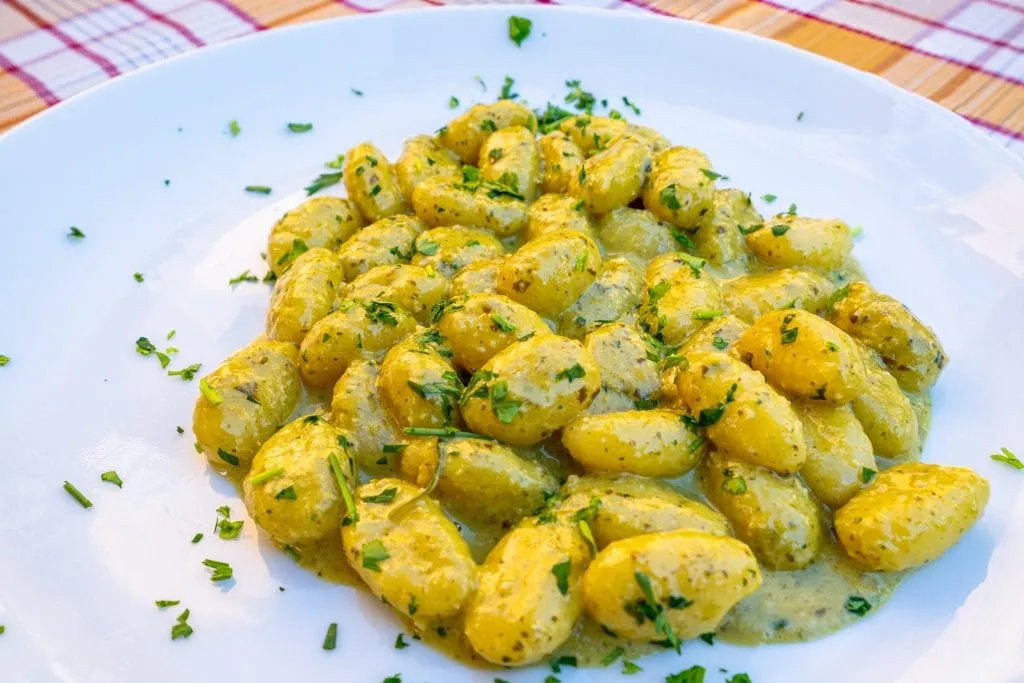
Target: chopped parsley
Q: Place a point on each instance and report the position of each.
(629, 667)
(780, 230)
(581, 262)
(287, 493)
(867, 474)
(161, 604)
(229, 530)
(800, 116)
(502, 323)
(197, 538)
(720, 344)
(400, 643)
(488, 125)
(374, 553)
(331, 638)
(631, 105)
(299, 248)
(683, 239)
(561, 572)
(426, 247)
(695, 674)
(209, 393)
(791, 211)
(385, 496)
(709, 416)
(668, 198)
(836, 297)
(338, 162)
(77, 495)
(75, 234)
(579, 98)
(711, 175)
(229, 458)
(648, 608)
(704, 314)
(734, 485)
(788, 334)
(564, 660)
(708, 638)
(453, 102)
(234, 128)
(588, 535)
(393, 447)
(356, 92)
(222, 571)
(747, 229)
(505, 408)
(768, 198)
(112, 477)
(612, 656)
(351, 514)
(4, 360)
(571, 373)
(519, 29)
(506, 89)
(188, 374)
(550, 118)
(645, 404)
(1007, 456)
(857, 605)
(258, 189)
(381, 312)
(323, 180)
(300, 127)
(739, 678)
(245, 276)
(181, 629)
(495, 155)
(139, 277)
(445, 433)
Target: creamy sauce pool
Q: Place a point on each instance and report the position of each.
(790, 606)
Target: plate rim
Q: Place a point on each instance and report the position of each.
(950, 119)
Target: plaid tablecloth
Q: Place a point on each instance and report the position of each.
(967, 55)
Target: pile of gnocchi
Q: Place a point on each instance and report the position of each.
(558, 393)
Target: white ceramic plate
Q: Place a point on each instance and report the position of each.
(940, 206)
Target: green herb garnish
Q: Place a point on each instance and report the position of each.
(1007, 456)
(331, 638)
(857, 605)
(323, 180)
(561, 572)
(374, 553)
(77, 495)
(112, 477)
(300, 127)
(221, 570)
(519, 29)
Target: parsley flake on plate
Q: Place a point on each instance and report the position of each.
(112, 477)
(519, 29)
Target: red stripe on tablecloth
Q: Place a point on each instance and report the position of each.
(241, 14)
(982, 123)
(36, 85)
(161, 18)
(1006, 5)
(905, 46)
(998, 42)
(73, 44)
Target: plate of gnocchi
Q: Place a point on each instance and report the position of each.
(509, 344)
